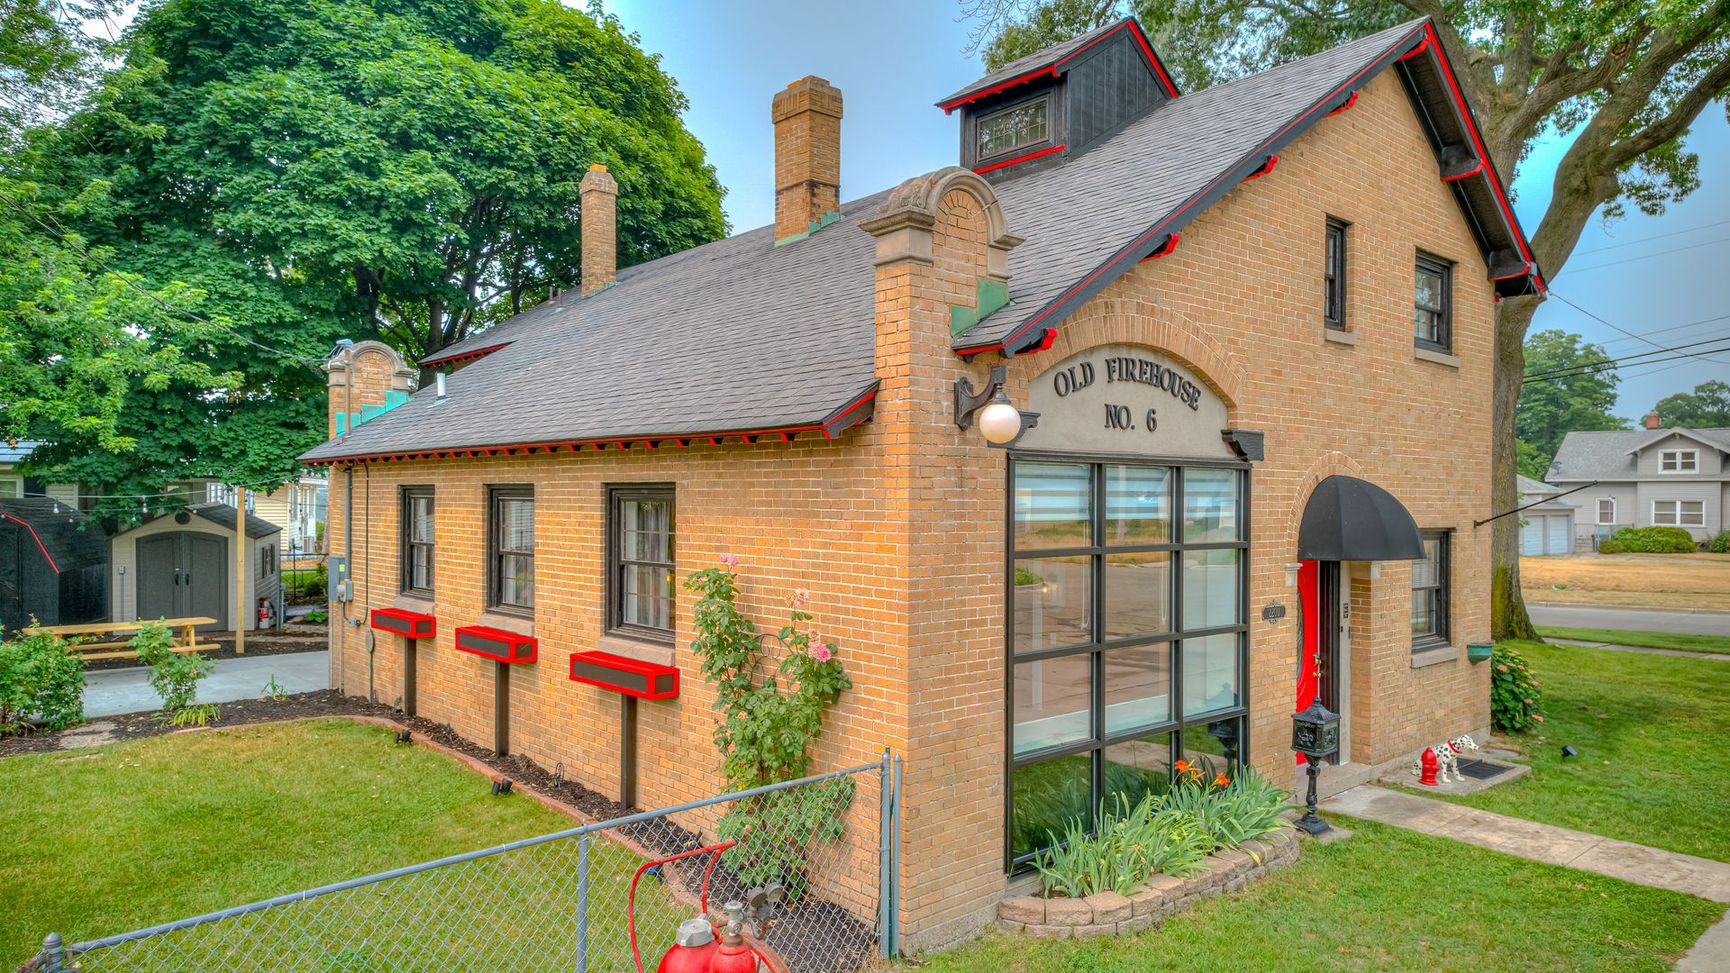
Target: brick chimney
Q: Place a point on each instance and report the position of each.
(1653, 422)
(364, 379)
(807, 115)
(599, 221)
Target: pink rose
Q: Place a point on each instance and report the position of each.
(821, 652)
(730, 560)
(800, 598)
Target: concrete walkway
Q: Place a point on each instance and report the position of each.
(111, 692)
(1642, 650)
(1538, 842)
(1676, 620)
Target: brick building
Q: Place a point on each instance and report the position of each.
(1248, 331)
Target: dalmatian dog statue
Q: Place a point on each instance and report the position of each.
(1447, 758)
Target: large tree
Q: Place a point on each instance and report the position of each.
(1620, 80)
(316, 169)
(1570, 386)
(1707, 407)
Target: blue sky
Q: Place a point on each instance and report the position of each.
(893, 58)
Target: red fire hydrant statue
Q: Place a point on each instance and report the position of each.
(1429, 765)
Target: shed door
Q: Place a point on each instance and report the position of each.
(183, 574)
(1532, 536)
(1560, 534)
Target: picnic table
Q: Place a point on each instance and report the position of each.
(78, 641)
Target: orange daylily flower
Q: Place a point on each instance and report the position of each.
(1221, 780)
(1182, 766)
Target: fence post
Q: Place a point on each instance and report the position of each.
(885, 903)
(53, 954)
(582, 903)
(895, 860)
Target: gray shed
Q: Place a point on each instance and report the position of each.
(181, 565)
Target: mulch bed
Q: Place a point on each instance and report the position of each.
(271, 643)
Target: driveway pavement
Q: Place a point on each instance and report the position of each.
(1632, 619)
(110, 692)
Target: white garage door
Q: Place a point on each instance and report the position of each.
(1532, 536)
(1560, 535)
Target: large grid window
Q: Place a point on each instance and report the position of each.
(1679, 513)
(1127, 635)
(1433, 304)
(513, 550)
(1334, 276)
(640, 562)
(1430, 592)
(417, 540)
(1016, 127)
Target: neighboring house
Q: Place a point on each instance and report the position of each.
(1256, 326)
(1648, 477)
(298, 508)
(14, 484)
(181, 564)
(1548, 527)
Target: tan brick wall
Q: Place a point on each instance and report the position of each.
(898, 528)
(807, 117)
(598, 196)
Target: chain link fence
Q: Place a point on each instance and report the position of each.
(819, 851)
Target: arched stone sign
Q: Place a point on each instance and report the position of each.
(1125, 399)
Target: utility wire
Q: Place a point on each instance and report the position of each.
(1613, 362)
(1587, 370)
(1648, 239)
(1646, 256)
(1674, 327)
(1617, 327)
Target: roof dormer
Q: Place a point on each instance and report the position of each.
(1043, 108)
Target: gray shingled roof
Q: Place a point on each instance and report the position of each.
(1032, 62)
(222, 515)
(742, 335)
(1607, 455)
(1532, 488)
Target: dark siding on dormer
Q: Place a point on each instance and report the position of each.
(1108, 87)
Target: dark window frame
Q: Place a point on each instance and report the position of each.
(1048, 96)
(496, 496)
(1334, 264)
(408, 497)
(1442, 633)
(1178, 726)
(1444, 269)
(614, 586)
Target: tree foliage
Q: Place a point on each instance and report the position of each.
(1708, 406)
(1620, 80)
(1570, 386)
(305, 170)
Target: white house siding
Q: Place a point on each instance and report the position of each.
(1648, 463)
(1710, 493)
(1586, 523)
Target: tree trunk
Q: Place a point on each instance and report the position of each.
(1508, 617)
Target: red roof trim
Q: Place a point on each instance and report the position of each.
(1344, 106)
(830, 429)
(1475, 170)
(39, 545)
(1266, 167)
(460, 358)
(1020, 158)
(1163, 249)
(1055, 68)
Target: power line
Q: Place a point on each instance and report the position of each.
(1586, 370)
(1617, 327)
(1648, 239)
(1613, 362)
(1674, 327)
(1646, 256)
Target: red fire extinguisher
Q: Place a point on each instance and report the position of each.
(1429, 765)
(266, 613)
(695, 949)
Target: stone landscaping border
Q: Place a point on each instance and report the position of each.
(1111, 914)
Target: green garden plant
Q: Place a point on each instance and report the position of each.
(1720, 543)
(1651, 540)
(767, 728)
(1515, 693)
(41, 684)
(173, 675)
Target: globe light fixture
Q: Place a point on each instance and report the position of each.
(1000, 422)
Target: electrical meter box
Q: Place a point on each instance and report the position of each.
(340, 587)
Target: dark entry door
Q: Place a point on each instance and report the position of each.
(1331, 656)
(183, 574)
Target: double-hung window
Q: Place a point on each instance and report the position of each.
(1432, 304)
(417, 540)
(640, 566)
(1679, 461)
(1430, 592)
(1334, 276)
(1126, 594)
(1606, 510)
(511, 543)
(1679, 513)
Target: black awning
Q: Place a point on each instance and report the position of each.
(1348, 519)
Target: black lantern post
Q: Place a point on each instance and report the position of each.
(1315, 733)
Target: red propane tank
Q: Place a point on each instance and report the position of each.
(733, 956)
(1429, 764)
(692, 949)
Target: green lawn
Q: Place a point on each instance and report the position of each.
(1645, 640)
(1387, 900)
(1653, 733)
(110, 839)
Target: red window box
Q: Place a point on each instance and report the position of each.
(409, 625)
(496, 644)
(632, 677)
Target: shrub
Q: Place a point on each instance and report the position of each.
(1515, 694)
(173, 675)
(1612, 547)
(41, 684)
(317, 617)
(1719, 544)
(1654, 540)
